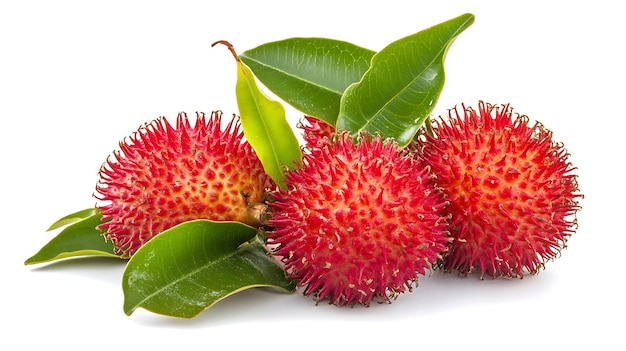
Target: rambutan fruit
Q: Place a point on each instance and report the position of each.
(164, 175)
(357, 221)
(316, 133)
(512, 191)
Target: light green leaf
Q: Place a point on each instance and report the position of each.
(265, 127)
(310, 74)
(80, 238)
(73, 217)
(402, 85)
(188, 268)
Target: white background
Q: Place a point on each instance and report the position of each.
(78, 76)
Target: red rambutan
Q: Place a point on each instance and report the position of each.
(317, 133)
(357, 221)
(512, 191)
(164, 175)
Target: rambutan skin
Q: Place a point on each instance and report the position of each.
(164, 175)
(512, 191)
(316, 133)
(357, 222)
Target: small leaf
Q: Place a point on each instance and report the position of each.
(265, 125)
(81, 238)
(310, 74)
(188, 268)
(402, 85)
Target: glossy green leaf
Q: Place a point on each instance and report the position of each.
(265, 126)
(188, 268)
(310, 74)
(402, 85)
(80, 238)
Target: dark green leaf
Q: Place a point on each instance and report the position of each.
(402, 85)
(265, 126)
(80, 238)
(188, 268)
(310, 74)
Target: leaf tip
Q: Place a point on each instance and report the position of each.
(469, 18)
(128, 310)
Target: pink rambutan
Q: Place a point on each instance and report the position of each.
(164, 175)
(357, 221)
(513, 193)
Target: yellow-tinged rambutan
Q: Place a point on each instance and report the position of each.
(358, 221)
(164, 175)
(512, 191)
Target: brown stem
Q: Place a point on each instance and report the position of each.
(229, 46)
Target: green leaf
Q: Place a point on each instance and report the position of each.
(402, 85)
(265, 125)
(80, 238)
(188, 268)
(310, 74)
(73, 217)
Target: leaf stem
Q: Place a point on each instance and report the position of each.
(230, 47)
(429, 126)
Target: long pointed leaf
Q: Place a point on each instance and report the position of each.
(310, 74)
(265, 126)
(188, 268)
(81, 238)
(402, 85)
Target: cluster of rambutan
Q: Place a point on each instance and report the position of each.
(361, 218)
(485, 191)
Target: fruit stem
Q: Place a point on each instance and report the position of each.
(257, 214)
